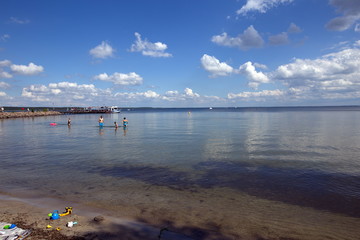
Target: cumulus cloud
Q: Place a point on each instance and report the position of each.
(5, 63)
(138, 95)
(121, 78)
(350, 10)
(4, 85)
(215, 67)
(4, 37)
(357, 28)
(339, 65)
(103, 51)
(61, 93)
(331, 76)
(147, 48)
(30, 69)
(71, 93)
(249, 39)
(4, 74)
(293, 28)
(279, 39)
(259, 96)
(255, 77)
(260, 6)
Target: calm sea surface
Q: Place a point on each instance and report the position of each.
(304, 157)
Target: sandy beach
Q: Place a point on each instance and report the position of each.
(200, 222)
(28, 215)
(5, 115)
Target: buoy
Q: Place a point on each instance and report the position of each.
(53, 124)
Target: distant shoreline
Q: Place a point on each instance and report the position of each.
(6, 115)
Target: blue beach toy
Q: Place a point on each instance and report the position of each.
(10, 226)
(55, 215)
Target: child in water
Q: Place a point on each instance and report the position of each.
(116, 125)
(125, 122)
(101, 121)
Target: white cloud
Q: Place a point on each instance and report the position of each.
(148, 48)
(255, 78)
(4, 74)
(5, 63)
(350, 10)
(258, 95)
(249, 39)
(121, 78)
(4, 37)
(293, 28)
(64, 93)
(215, 67)
(18, 21)
(335, 75)
(259, 6)
(104, 50)
(279, 39)
(4, 85)
(357, 28)
(189, 93)
(3, 94)
(138, 95)
(31, 69)
(339, 65)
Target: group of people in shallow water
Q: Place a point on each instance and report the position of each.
(101, 122)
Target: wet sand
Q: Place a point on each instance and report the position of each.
(5, 115)
(209, 214)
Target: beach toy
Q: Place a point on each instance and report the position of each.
(68, 210)
(53, 124)
(9, 226)
(48, 226)
(55, 215)
(58, 229)
(71, 224)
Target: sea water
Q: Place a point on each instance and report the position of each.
(190, 160)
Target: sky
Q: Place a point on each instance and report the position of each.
(179, 53)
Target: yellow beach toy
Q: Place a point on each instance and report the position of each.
(68, 211)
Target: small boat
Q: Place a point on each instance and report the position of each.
(115, 109)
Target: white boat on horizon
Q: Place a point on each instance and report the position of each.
(115, 109)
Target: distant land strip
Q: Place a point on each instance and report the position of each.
(5, 115)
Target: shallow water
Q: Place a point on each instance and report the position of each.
(189, 163)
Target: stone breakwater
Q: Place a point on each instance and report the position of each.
(5, 115)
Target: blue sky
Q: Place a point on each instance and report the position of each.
(161, 53)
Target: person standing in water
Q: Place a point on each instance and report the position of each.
(116, 125)
(101, 121)
(69, 122)
(125, 122)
